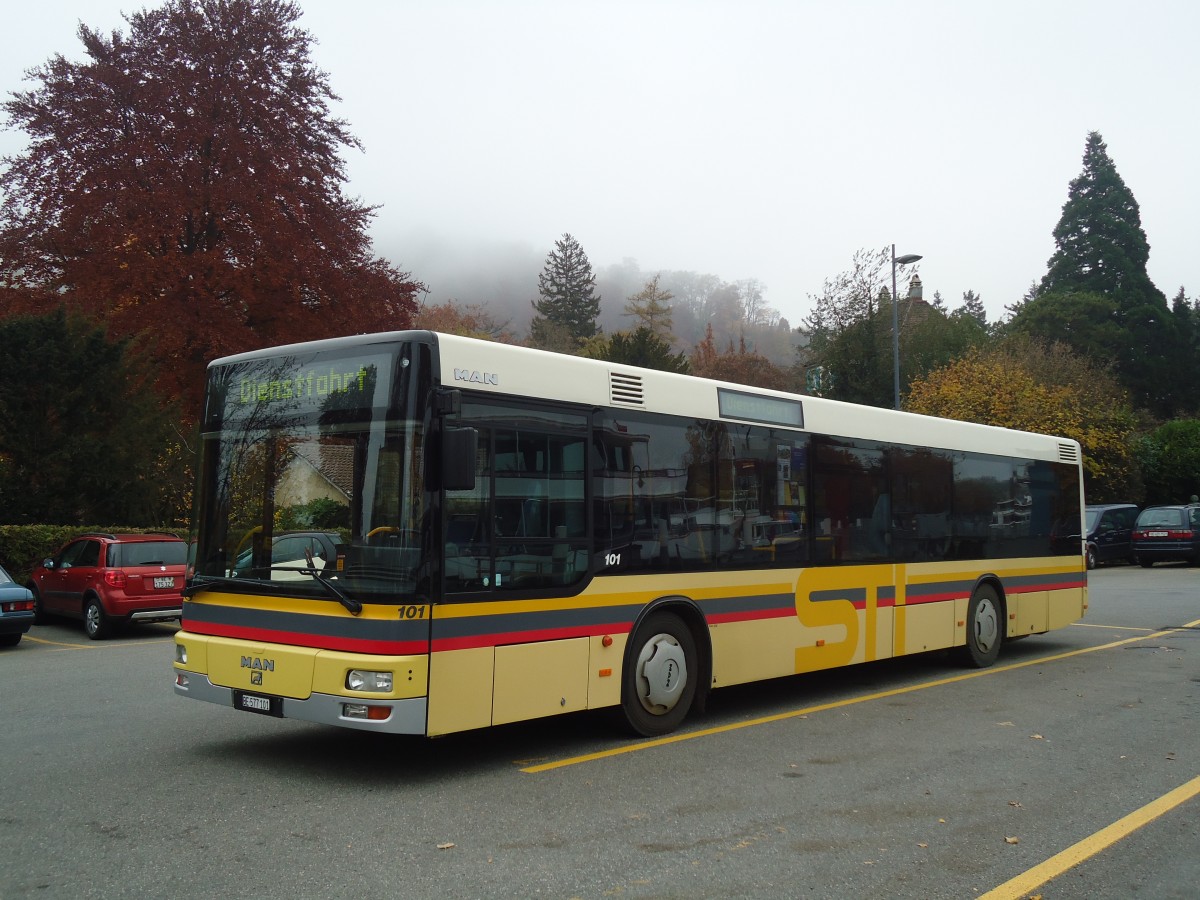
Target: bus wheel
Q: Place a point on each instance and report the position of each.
(985, 627)
(660, 675)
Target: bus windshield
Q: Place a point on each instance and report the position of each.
(311, 474)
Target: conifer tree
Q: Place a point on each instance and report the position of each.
(1100, 245)
(972, 306)
(569, 304)
(1102, 249)
(82, 433)
(651, 306)
(643, 347)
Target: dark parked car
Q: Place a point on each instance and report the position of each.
(1110, 533)
(1167, 534)
(108, 580)
(16, 610)
(288, 554)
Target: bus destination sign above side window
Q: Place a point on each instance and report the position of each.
(760, 408)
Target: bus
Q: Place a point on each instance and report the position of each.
(421, 533)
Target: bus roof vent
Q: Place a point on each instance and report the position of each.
(1068, 453)
(625, 389)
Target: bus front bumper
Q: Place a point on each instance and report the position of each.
(404, 716)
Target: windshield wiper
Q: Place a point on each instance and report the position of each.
(211, 583)
(349, 602)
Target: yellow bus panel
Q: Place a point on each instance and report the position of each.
(1027, 613)
(604, 672)
(460, 690)
(542, 679)
(270, 668)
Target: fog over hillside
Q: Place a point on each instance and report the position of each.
(502, 277)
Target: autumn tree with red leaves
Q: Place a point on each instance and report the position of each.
(183, 186)
(741, 366)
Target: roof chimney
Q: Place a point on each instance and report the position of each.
(915, 291)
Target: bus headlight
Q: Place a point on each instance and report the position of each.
(375, 682)
(180, 653)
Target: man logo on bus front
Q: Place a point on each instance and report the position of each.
(476, 377)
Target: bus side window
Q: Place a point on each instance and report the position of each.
(467, 537)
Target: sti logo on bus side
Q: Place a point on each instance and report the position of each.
(477, 377)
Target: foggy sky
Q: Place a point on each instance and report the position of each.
(765, 140)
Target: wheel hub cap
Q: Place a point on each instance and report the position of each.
(987, 626)
(662, 674)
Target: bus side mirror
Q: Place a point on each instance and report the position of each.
(458, 458)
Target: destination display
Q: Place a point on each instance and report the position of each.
(294, 389)
(757, 408)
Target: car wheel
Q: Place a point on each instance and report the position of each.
(1144, 563)
(95, 622)
(1091, 557)
(659, 681)
(10, 640)
(985, 628)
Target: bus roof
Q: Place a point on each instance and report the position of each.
(504, 369)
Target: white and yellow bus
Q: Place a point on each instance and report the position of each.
(422, 534)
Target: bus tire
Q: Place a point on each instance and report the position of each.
(985, 627)
(659, 678)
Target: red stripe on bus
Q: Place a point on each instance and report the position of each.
(499, 639)
(318, 642)
(916, 599)
(751, 616)
(880, 603)
(1052, 586)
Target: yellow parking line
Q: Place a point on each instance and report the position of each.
(1093, 844)
(824, 707)
(1113, 627)
(37, 640)
(92, 646)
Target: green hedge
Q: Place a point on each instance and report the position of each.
(22, 547)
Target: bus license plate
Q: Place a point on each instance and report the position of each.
(168, 582)
(257, 703)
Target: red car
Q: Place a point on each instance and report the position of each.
(108, 580)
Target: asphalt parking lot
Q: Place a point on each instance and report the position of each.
(1070, 769)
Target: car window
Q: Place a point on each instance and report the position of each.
(147, 553)
(69, 555)
(89, 554)
(1167, 518)
(291, 549)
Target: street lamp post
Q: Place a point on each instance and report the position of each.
(897, 261)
